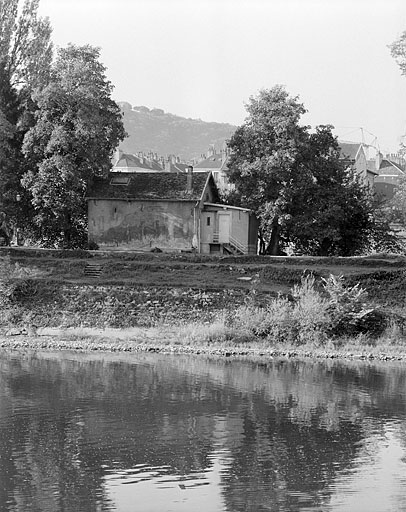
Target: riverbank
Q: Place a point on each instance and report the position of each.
(186, 303)
(185, 341)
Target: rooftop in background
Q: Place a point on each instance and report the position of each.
(147, 186)
(349, 150)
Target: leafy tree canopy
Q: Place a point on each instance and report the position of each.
(398, 52)
(25, 43)
(25, 59)
(295, 182)
(77, 128)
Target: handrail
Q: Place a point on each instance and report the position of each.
(238, 245)
(232, 241)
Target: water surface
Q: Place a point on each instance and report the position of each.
(150, 432)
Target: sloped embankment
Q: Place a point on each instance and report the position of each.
(53, 288)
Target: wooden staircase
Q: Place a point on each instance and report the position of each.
(233, 246)
(230, 249)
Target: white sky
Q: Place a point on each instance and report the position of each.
(205, 58)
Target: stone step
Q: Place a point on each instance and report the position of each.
(93, 270)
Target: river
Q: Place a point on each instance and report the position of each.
(157, 433)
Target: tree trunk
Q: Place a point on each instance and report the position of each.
(273, 247)
(262, 248)
(67, 232)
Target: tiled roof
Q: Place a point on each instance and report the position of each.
(213, 162)
(176, 167)
(152, 185)
(389, 167)
(349, 150)
(389, 163)
(128, 161)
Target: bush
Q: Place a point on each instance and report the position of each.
(301, 319)
(14, 282)
(312, 314)
(347, 307)
(309, 312)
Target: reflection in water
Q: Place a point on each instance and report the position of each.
(377, 475)
(149, 432)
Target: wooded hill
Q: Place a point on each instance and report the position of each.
(168, 134)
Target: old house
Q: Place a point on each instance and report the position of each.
(169, 211)
(354, 155)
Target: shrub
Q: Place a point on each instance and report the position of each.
(309, 311)
(14, 282)
(347, 307)
(300, 320)
(312, 314)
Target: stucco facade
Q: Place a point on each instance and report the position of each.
(143, 211)
(142, 224)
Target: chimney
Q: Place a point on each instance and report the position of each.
(117, 155)
(168, 165)
(189, 179)
(378, 160)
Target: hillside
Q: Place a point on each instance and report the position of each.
(165, 134)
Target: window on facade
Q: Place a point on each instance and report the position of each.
(208, 221)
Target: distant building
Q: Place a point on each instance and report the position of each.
(147, 162)
(125, 162)
(354, 155)
(217, 164)
(174, 164)
(391, 169)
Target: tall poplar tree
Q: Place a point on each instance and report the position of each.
(25, 60)
(25, 43)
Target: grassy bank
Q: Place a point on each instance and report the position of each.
(194, 339)
(186, 302)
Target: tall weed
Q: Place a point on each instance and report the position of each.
(346, 305)
(309, 311)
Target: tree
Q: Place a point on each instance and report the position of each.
(11, 158)
(25, 58)
(394, 209)
(398, 52)
(295, 181)
(77, 128)
(25, 43)
(262, 153)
